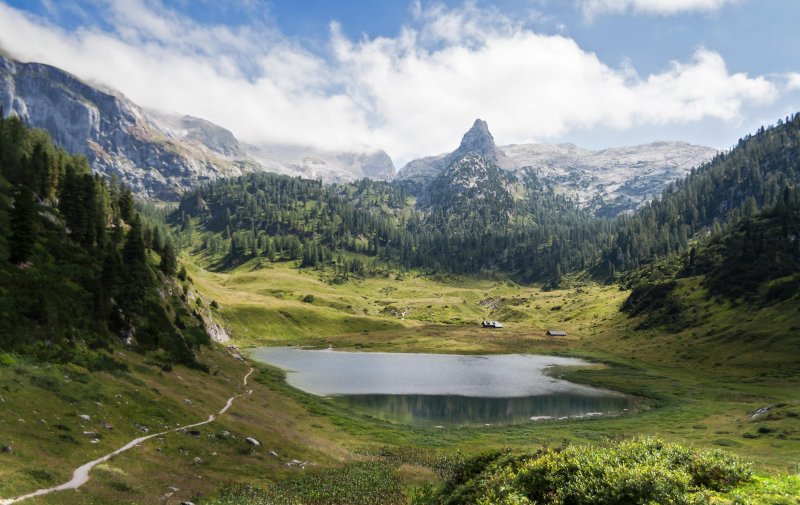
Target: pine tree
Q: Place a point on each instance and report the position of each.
(168, 263)
(136, 275)
(23, 226)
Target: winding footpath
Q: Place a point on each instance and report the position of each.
(81, 474)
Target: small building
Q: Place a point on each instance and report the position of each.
(492, 324)
(556, 333)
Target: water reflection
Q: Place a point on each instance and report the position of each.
(433, 389)
(431, 410)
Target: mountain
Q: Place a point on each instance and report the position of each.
(477, 140)
(605, 182)
(158, 155)
(329, 166)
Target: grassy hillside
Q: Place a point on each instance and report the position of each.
(699, 386)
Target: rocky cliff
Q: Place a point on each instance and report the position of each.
(158, 155)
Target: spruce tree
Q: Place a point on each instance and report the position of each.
(23, 226)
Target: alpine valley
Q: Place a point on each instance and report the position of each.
(149, 262)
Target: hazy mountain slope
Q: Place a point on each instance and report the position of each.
(329, 166)
(605, 182)
(611, 180)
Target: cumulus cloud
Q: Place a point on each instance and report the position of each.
(663, 7)
(793, 81)
(413, 94)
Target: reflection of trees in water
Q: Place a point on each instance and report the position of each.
(429, 409)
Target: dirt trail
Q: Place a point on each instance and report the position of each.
(81, 474)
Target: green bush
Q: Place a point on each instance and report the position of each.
(632, 472)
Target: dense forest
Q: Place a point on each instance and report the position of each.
(500, 222)
(370, 225)
(80, 267)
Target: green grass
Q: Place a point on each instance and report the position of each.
(699, 386)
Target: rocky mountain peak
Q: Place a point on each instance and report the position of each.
(478, 140)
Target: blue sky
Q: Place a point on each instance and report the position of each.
(410, 76)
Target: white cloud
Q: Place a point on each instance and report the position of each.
(793, 81)
(412, 95)
(664, 7)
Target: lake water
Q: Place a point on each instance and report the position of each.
(443, 389)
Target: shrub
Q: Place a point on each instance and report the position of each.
(638, 471)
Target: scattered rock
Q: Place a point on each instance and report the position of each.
(758, 414)
(198, 460)
(295, 463)
(187, 401)
(273, 454)
(7, 449)
(252, 441)
(90, 434)
(226, 434)
(84, 417)
(95, 441)
(106, 426)
(194, 433)
(186, 503)
(141, 428)
(237, 356)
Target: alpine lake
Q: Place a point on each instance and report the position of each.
(437, 390)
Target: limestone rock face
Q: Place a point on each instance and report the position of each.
(117, 136)
(159, 155)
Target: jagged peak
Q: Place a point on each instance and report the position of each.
(478, 139)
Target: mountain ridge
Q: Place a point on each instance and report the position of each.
(605, 182)
(158, 155)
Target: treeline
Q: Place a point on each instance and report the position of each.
(80, 268)
(368, 226)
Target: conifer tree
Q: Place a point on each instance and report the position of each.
(23, 226)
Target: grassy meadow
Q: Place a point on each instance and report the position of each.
(698, 385)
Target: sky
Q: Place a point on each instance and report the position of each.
(411, 76)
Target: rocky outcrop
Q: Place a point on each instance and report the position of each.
(478, 140)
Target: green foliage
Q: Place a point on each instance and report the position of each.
(733, 186)
(363, 483)
(338, 226)
(760, 249)
(632, 472)
(72, 279)
(658, 302)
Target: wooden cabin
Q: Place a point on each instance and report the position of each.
(556, 333)
(492, 324)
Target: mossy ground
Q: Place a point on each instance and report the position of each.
(701, 384)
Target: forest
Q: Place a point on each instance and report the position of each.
(80, 267)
